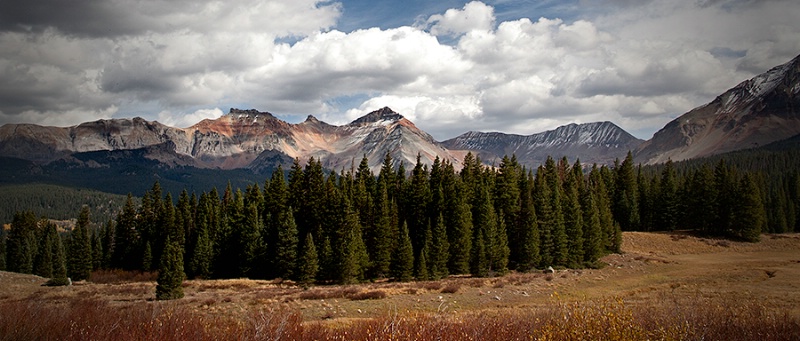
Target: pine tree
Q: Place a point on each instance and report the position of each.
(350, 259)
(308, 266)
(200, 264)
(545, 215)
(440, 250)
(147, 257)
(59, 273)
(382, 241)
(286, 248)
(402, 266)
(726, 187)
(108, 244)
(668, 200)
(525, 255)
(508, 202)
(501, 250)
(749, 216)
(21, 243)
(553, 219)
(479, 265)
(611, 233)
(126, 238)
(97, 250)
(43, 264)
(170, 272)
(417, 201)
(626, 210)
(249, 243)
(573, 221)
(422, 265)
(702, 200)
(79, 266)
(484, 234)
(647, 202)
(592, 230)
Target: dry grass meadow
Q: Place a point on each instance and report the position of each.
(663, 287)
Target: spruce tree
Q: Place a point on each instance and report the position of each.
(286, 248)
(501, 250)
(249, 243)
(402, 266)
(609, 227)
(573, 221)
(422, 265)
(21, 243)
(79, 266)
(417, 201)
(43, 264)
(749, 217)
(201, 258)
(170, 272)
(506, 196)
(382, 241)
(592, 230)
(702, 200)
(327, 268)
(108, 244)
(545, 215)
(439, 251)
(97, 250)
(526, 235)
(147, 257)
(626, 210)
(308, 266)
(484, 233)
(668, 200)
(726, 188)
(479, 264)
(59, 263)
(126, 236)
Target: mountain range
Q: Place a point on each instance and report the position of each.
(756, 112)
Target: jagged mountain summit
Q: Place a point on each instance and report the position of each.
(239, 139)
(599, 142)
(754, 113)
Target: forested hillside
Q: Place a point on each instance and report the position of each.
(426, 223)
(57, 202)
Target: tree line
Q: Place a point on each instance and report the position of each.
(312, 226)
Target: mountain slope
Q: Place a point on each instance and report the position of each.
(754, 113)
(240, 139)
(599, 142)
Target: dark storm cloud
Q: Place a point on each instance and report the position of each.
(85, 18)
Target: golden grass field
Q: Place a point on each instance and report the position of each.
(663, 286)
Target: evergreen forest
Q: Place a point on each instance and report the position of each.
(312, 226)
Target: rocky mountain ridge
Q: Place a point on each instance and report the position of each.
(598, 142)
(756, 112)
(235, 140)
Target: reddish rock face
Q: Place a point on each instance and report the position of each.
(235, 140)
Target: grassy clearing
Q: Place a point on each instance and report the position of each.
(610, 319)
(664, 287)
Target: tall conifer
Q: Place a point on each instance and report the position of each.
(170, 272)
(79, 266)
(309, 262)
(402, 266)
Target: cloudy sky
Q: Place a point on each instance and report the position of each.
(517, 66)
